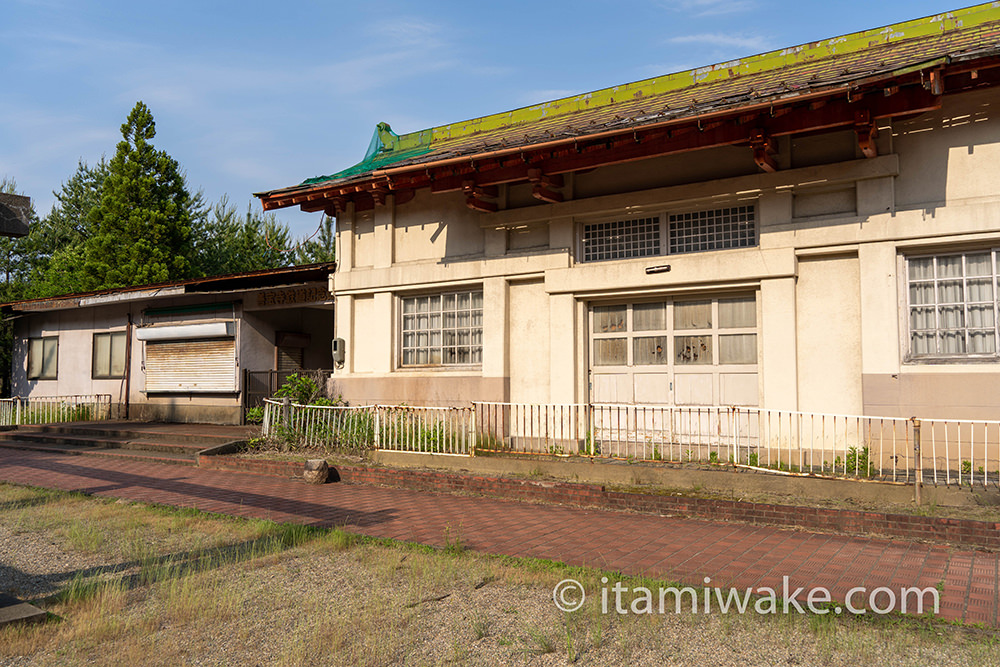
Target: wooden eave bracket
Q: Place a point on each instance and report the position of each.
(546, 186)
(476, 196)
(866, 131)
(764, 150)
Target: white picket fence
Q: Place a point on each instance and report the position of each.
(52, 409)
(784, 442)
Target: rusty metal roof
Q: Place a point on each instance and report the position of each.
(777, 77)
(266, 278)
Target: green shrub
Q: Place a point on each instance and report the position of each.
(859, 463)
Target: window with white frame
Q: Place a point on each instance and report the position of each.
(676, 333)
(43, 358)
(443, 329)
(109, 355)
(952, 305)
(670, 234)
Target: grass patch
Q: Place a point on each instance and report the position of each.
(254, 592)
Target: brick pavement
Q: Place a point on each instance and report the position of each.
(683, 550)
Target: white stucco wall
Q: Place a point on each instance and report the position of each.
(832, 228)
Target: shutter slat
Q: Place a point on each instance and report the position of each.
(191, 366)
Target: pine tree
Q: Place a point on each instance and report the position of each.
(230, 243)
(141, 228)
(321, 248)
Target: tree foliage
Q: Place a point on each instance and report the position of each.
(321, 247)
(230, 243)
(141, 226)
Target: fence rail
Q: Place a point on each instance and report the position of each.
(385, 427)
(948, 452)
(51, 409)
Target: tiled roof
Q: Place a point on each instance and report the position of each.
(777, 76)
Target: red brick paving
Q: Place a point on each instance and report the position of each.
(683, 550)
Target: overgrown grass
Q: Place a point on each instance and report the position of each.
(234, 591)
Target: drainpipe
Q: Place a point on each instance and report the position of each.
(918, 485)
(128, 362)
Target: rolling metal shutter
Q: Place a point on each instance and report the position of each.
(191, 366)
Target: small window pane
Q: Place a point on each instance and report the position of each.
(649, 316)
(923, 342)
(608, 319)
(693, 315)
(981, 317)
(951, 342)
(922, 268)
(922, 318)
(34, 357)
(921, 293)
(50, 348)
(980, 290)
(950, 291)
(949, 267)
(980, 264)
(951, 317)
(982, 342)
(738, 349)
(693, 349)
(649, 350)
(609, 352)
(735, 313)
(102, 355)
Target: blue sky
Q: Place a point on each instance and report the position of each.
(252, 96)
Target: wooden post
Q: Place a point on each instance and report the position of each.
(918, 464)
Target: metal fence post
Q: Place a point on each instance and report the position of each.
(378, 426)
(918, 463)
(17, 412)
(286, 412)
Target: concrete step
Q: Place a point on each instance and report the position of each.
(45, 439)
(122, 454)
(206, 435)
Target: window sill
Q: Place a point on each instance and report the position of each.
(951, 361)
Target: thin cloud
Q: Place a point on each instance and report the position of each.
(718, 39)
(712, 7)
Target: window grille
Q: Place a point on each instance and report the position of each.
(713, 230)
(621, 239)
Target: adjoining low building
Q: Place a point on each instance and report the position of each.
(187, 351)
(816, 229)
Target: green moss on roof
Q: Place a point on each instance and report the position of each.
(815, 61)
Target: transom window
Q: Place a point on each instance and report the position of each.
(952, 305)
(696, 231)
(443, 329)
(679, 333)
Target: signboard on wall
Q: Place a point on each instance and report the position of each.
(291, 296)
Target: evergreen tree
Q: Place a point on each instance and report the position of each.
(56, 242)
(321, 248)
(229, 243)
(141, 228)
(15, 255)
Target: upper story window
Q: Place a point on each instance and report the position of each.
(670, 234)
(43, 358)
(952, 305)
(443, 329)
